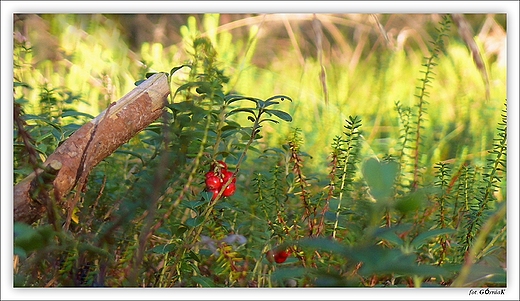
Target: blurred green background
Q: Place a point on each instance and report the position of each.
(332, 65)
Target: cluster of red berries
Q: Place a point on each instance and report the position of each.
(217, 177)
(278, 256)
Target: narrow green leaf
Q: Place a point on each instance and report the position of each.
(175, 69)
(270, 103)
(20, 84)
(425, 236)
(238, 110)
(185, 87)
(281, 97)
(162, 249)
(269, 120)
(280, 114)
(232, 98)
(132, 153)
(391, 234)
(43, 137)
(76, 114)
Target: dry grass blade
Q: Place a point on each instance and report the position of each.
(318, 33)
(294, 42)
(338, 37)
(467, 35)
(389, 43)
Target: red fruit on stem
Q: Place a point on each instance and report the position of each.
(226, 175)
(211, 174)
(281, 256)
(214, 193)
(278, 256)
(213, 182)
(270, 255)
(229, 190)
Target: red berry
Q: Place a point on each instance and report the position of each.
(229, 190)
(210, 174)
(270, 255)
(226, 175)
(278, 256)
(281, 256)
(214, 193)
(213, 182)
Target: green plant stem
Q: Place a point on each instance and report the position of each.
(186, 187)
(212, 204)
(207, 211)
(417, 281)
(420, 113)
(340, 198)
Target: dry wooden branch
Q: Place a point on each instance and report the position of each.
(75, 158)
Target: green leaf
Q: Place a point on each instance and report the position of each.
(28, 117)
(229, 128)
(425, 236)
(29, 239)
(204, 88)
(391, 234)
(76, 114)
(238, 110)
(206, 195)
(266, 104)
(186, 86)
(481, 274)
(280, 114)
(20, 84)
(43, 137)
(162, 249)
(175, 69)
(204, 281)
(323, 244)
(269, 120)
(149, 74)
(379, 260)
(281, 97)
(194, 204)
(232, 98)
(229, 132)
(289, 273)
(380, 177)
(70, 128)
(415, 200)
(232, 123)
(182, 106)
(20, 252)
(128, 152)
(193, 222)
(226, 205)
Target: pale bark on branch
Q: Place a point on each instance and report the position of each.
(74, 159)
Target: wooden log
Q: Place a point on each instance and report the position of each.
(75, 158)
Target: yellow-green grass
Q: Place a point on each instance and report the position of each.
(98, 65)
